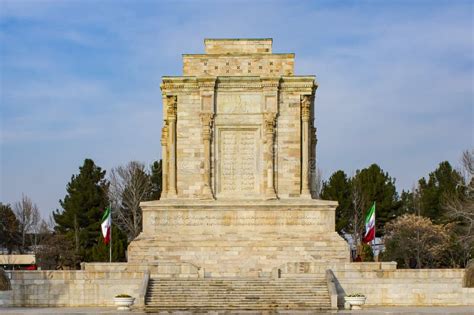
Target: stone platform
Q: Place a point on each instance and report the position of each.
(238, 237)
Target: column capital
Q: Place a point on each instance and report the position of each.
(172, 107)
(207, 120)
(305, 107)
(164, 134)
(270, 121)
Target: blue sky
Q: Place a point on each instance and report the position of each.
(80, 79)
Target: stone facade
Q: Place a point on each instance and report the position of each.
(238, 147)
(238, 124)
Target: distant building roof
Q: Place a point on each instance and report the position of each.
(17, 259)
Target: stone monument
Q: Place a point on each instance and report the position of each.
(238, 145)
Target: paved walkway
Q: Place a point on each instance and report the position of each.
(458, 310)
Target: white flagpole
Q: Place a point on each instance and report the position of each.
(373, 241)
(110, 242)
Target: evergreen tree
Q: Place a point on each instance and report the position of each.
(409, 203)
(100, 252)
(338, 188)
(441, 184)
(369, 185)
(9, 228)
(156, 180)
(83, 207)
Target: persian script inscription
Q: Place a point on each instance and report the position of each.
(238, 161)
(268, 219)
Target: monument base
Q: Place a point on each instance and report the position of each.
(227, 238)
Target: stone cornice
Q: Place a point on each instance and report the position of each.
(298, 83)
(263, 55)
(306, 84)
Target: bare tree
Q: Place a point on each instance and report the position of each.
(357, 223)
(415, 240)
(129, 185)
(461, 207)
(28, 217)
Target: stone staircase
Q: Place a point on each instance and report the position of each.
(237, 294)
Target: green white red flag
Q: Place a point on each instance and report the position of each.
(106, 225)
(370, 225)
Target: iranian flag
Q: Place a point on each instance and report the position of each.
(106, 225)
(370, 225)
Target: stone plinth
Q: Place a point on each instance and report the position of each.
(238, 237)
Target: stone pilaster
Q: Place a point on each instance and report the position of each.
(164, 160)
(305, 145)
(172, 116)
(207, 120)
(270, 120)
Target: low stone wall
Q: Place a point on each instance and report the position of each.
(405, 286)
(5, 298)
(385, 285)
(73, 288)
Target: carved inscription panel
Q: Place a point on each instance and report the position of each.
(238, 162)
(239, 103)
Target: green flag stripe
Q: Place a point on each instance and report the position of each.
(370, 213)
(106, 214)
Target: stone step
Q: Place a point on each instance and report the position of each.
(237, 294)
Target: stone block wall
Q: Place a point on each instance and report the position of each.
(385, 285)
(238, 45)
(73, 288)
(406, 286)
(273, 65)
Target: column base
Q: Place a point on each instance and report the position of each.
(306, 194)
(270, 195)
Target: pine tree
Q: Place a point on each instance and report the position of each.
(338, 188)
(100, 252)
(371, 185)
(9, 228)
(442, 183)
(83, 207)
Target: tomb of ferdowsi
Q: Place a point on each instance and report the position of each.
(237, 227)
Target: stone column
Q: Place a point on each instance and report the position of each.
(305, 143)
(164, 160)
(269, 154)
(172, 100)
(207, 120)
